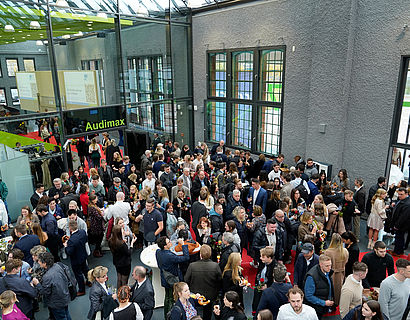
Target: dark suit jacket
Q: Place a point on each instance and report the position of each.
(21, 287)
(76, 247)
(401, 215)
(260, 200)
(360, 198)
(25, 244)
(144, 297)
(34, 200)
(196, 186)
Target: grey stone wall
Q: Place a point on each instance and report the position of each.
(343, 72)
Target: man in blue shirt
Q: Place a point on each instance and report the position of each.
(319, 292)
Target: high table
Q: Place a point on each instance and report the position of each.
(148, 258)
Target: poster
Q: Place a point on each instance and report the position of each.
(80, 88)
(27, 85)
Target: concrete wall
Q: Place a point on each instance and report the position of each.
(343, 72)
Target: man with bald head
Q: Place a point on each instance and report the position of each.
(120, 209)
(142, 292)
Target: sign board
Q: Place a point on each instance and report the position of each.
(80, 88)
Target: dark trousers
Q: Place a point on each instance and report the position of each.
(207, 311)
(61, 314)
(399, 242)
(169, 301)
(80, 270)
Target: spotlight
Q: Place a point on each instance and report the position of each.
(35, 25)
(8, 28)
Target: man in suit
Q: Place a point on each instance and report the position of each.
(198, 210)
(257, 196)
(401, 218)
(142, 292)
(20, 286)
(360, 198)
(205, 277)
(75, 249)
(199, 182)
(26, 242)
(37, 195)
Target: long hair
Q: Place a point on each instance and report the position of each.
(36, 228)
(233, 297)
(337, 244)
(116, 239)
(30, 213)
(233, 265)
(378, 194)
(374, 306)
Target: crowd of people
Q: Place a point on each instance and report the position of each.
(208, 210)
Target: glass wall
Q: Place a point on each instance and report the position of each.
(90, 54)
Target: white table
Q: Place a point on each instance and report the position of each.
(148, 258)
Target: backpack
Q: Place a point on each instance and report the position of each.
(170, 311)
(171, 223)
(302, 190)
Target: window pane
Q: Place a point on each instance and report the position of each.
(29, 65)
(269, 132)
(404, 127)
(3, 101)
(242, 125)
(163, 117)
(216, 120)
(271, 77)
(12, 67)
(144, 79)
(217, 74)
(15, 97)
(242, 75)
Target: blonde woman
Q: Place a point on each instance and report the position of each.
(10, 311)
(209, 201)
(184, 307)
(95, 152)
(232, 275)
(99, 293)
(306, 226)
(339, 257)
(376, 217)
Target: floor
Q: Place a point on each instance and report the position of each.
(80, 306)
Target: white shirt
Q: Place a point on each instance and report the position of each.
(309, 261)
(119, 209)
(141, 283)
(286, 312)
(255, 195)
(139, 315)
(271, 239)
(272, 175)
(150, 184)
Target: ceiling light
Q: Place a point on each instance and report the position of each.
(102, 15)
(66, 36)
(35, 25)
(79, 34)
(67, 28)
(20, 31)
(6, 42)
(28, 35)
(61, 3)
(142, 11)
(23, 37)
(23, 17)
(14, 40)
(8, 28)
(90, 28)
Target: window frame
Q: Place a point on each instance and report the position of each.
(255, 102)
(18, 67)
(34, 63)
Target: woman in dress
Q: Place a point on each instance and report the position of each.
(376, 217)
(339, 256)
(184, 307)
(96, 228)
(232, 279)
(126, 310)
(232, 309)
(99, 293)
(121, 255)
